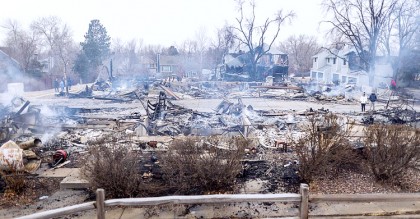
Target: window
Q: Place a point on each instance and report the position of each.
(334, 60)
(344, 61)
(336, 77)
(343, 79)
(315, 59)
(166, 68)
(328, 60)
(313, 75)
(320, 75)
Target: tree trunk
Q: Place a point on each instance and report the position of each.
(371, 72)
(372, 77)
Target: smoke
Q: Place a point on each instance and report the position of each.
(47, 111)
(10, 72)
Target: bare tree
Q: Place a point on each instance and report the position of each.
(188, 47)
(256, 37)
(56, 39)
(126, 55)
(398, 36)
(220, 45)
(359, 23)
(21, 44)
(300, 50)
(202, 43)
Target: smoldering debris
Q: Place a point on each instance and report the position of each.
(150, 119)
(18, 118)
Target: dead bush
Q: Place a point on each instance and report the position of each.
(114, 168)
(391, 150)
(323, 146)
(14, 180)
(195, 166)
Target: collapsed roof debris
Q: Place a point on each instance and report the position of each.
(147, 117)
(18, 118)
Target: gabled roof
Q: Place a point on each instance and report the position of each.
(5, 56)
(245, 49)
(234, 63)
(170, 60)
(146, 60)
(334, 52)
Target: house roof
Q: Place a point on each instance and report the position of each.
(6, 56)
(234, 63)
(272, 50)
(170, 60)
(334, 52)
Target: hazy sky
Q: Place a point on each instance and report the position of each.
(164, 22)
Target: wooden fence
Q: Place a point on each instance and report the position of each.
(303, 199)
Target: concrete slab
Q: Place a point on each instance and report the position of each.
(345, 209)
(60, 172)
(109, 213)
(74, 181)
(130, 213)
(399, 207)
(163, 139)
(378, 209)
(371, 217)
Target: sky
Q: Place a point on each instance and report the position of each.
(164, 22)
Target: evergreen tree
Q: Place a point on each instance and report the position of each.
(97, 43)
(81, 66)
(95, 49)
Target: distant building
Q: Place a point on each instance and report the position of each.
(164, 66)
(10, 70)
(169, 65)
(237, 66)
(342, 66)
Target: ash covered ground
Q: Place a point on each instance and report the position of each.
(167, 111)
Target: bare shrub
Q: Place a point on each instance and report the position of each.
(391, 150)
(197, 167)
(323, 146)
(15, 180)
(113, 168)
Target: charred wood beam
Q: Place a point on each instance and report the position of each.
(108, 98)
(22, 108)
(277, 87)
(201, 114)
(170, 92)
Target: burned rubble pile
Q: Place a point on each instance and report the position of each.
(18, 118)
(288, 91)
(116, 90)
(398, 109)
(67, 131)
(146, 119)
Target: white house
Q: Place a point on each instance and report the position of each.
(343, 66)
